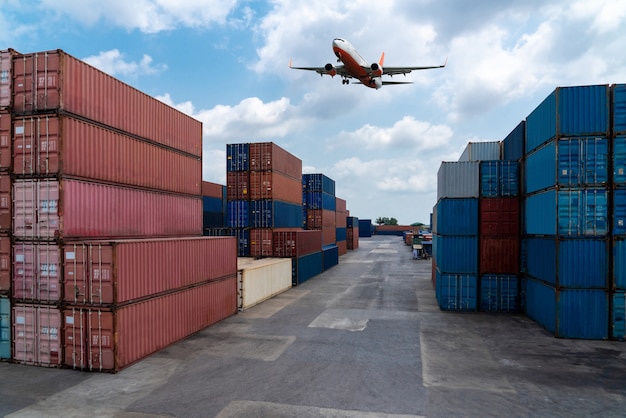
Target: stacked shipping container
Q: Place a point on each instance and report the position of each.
(319, 205)
(618, 245)
(352, 232)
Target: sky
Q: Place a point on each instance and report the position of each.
(226, 63)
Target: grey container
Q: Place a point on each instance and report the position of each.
(482, 151)
(458, 179)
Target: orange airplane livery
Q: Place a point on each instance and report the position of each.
(354, 66)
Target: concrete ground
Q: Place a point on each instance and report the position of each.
(364, 339)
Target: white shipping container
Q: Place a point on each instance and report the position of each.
(459, 179)
(482, 151)
(262, 279)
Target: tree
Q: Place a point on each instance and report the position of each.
(383, 220)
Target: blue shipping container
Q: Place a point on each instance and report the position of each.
(365, 228)
(619, 160)
(569, 111)
(243, 242)
(513, 144)
(499, 178)
(212, 204)
(273, 213)
(541, 304)
(237, 157)
(618, 316)
(456, 292)
(499, 293)
(212, 220)
(583, 161)
(238, 214)
(583, 313)
(457, 216)
(318, 183)
(540, 168)
(619, 262)
(341, 234)
(456, 254)
(619, 108)
(5, 328)
(319, 200)
(330, 256)
(352, 222)
(305, 267)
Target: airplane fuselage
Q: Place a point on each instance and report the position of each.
(354, 63)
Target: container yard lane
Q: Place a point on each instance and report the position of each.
(363, 339)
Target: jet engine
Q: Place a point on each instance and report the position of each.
(377, 69)
(330, 70)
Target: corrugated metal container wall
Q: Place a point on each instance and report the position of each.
(5, 140)
(238, 185)
(583, 263)
(619, 108)
(457, 216)
(318, 183)
(275, 185)
(5, 327)
(5, 264)
(583, 161)
(6, 202)
(330, 256)
(243, 242)
(238, 213)
(541, 260)
(275, 214)
(37, 335)
(47, 208)
(365, 228)
(619, 160)
(541, 303)
(619, 262)
(305, 267)
(618, 316)
(456, 292)
(114, 272)
(341, 205)
(499, 255)
(343, 247)
(262, 279)
(582, 313)
(619, 211)
(6, 77)
(210, 189)
(456, 254)
(499, 293)
(109, 340)
(267, 156)
(36, 271)
(458, 179)
(261, 242)
(513, 144)
(56, 81)
(237, 157)
(499, 216)
(479, 151)
(296, 243)
(499, 178)
(318, 200)
(540, 168)
(51, 144)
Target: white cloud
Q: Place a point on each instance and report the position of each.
(112, 62)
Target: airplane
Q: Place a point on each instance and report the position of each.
(354, 66)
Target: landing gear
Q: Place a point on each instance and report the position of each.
(345, 81)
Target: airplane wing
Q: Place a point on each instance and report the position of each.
(391, 71)
(339, 70)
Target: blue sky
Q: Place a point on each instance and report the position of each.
(225, 62)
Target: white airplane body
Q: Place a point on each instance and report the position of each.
(354, 66)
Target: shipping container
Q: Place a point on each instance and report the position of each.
(212, 204)
(275, 185)
(458, 180)
(573, 263)
(6, 203)
(619, 160)
(456, 253)
(67, 146)
(267, 156)
(5, 265)
(6, 77)
(238, 185)
(456, 292)
(118, 271)
(352, 222)
(263, 279)
(481, 151)
(5, 140)
(365, 228)
(37, 335)
(214, 190)
(261, 242)
(5, 328)
(48, 209)
(343, 247)
(330, 256)
(296, 243)
(499, 255)
(499, 179)
(318, 200)
(243, 241)
(513, 144)
(618, 316)
(212, 220)
(341, 206)
(102, 339)
(499, 216)
(237, 157)
(619, 262)
(457, 216)
(341, 234)
(352, 240)
(499, 293)
(275, 214)
(569, 111)
(619, 108)
(238, 213)
(37, 272)
(56, 81)
(318, 183)
(305, 267)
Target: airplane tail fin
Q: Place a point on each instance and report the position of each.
(382, 59)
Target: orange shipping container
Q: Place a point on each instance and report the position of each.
(212, 190)
(6, 78)
(101, 339)
(61, 144)
(261, 242)
(56, 81)
(237, 185)
(276, 186)
(267, 156)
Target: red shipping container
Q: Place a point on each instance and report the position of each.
(114, 272)
(6, 202)
(56, 81)
(267, 156)
(6, 78)
(46, 208)
(53, 144)
(500, 217)
(329, 235)
(342, 247)
(296, 243)
(314, 219)
(237, 185)
(276, 186)
(340, 205)
(341, 219)
(5, 264)
(352, 238)
(212, 190)
(5, 140)
(499, 255)
(36, 272)
(37, 335)
(261, 242)
(100, 339)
